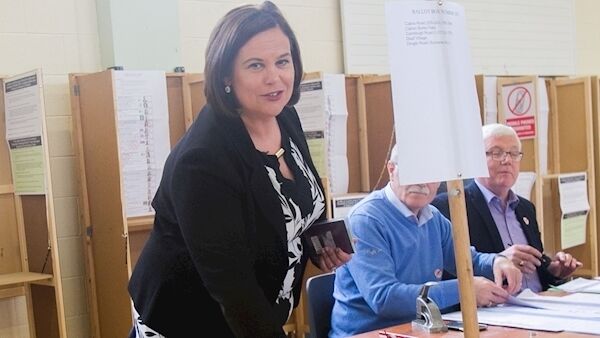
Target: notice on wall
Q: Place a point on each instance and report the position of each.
(323, 114)
(524, 184)
(520, 105)
(143, 128)
(574, 206)
(23, 105)
(436, 110)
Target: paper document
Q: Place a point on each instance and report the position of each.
(24, 114)
(436, 109)
(490, 101)
(533, 319)
(573, 192)
(567, 306)
(574, 206)
(524, 183)
(143, 127)
(323, 115)
(581, 285)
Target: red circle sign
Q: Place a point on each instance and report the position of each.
(519, 101)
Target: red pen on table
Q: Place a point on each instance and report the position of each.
(387, 334)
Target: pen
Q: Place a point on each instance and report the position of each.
(387, 334)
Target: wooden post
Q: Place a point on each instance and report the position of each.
(464, 263)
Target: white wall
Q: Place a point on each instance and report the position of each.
(587, 26)
(60, 37)
(315, 22)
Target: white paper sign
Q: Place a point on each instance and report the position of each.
(143, 126)
(436, 110)
(574, 206)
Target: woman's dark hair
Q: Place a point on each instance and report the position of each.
(227, 38)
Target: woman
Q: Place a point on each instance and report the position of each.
(225, 253)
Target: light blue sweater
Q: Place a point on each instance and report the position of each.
(396, 253)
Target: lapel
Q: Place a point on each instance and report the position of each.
(261, 187)
(528, 226)
(476, 198)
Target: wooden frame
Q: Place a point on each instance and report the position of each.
(114, 241)
(29, 262)
(572, 150)
(595, 83)
(376, 129)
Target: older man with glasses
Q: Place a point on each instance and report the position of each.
(502, 222)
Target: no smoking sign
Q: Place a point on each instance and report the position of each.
(519, 108)
(519, 101)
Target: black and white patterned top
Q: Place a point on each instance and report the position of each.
(302, 203)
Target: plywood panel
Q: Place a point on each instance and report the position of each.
(176, 108)
(10, 256)
(379, 129)
(105, 202)
(44, 311)
(352, 135)
(571, 122)
(36, 232)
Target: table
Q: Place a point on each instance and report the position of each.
(491, 332)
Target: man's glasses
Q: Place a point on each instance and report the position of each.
(499, 155)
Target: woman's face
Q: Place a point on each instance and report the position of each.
(263, 74)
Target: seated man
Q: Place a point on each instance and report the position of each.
(501, 221)
(401, 243)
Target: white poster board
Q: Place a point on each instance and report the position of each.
(436, 110)
(24, 107)
(143, 125)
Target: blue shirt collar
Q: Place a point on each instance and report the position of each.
(425, 214)
(488, 195)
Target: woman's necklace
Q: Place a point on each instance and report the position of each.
(279, 152)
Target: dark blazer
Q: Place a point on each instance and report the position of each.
(217, 255)
(483, 231)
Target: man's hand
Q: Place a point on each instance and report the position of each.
(524, 257)
(330, 259)
(563, 265)
(487, 293)
(505, 270)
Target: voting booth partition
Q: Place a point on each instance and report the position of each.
(114, 240)
(30, 274)
(572, 229)
(570, 147)
(595, 82)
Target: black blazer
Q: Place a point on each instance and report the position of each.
(483, 232)
(217, 255)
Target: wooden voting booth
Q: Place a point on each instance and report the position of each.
(114, 241)
(569, 149)
(595, 83)
(376, 129)
(571, 143)
(29, 262)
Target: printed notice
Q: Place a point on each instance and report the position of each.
(24, 113)
(27, 165)
(323, 114)
(574, 206)
(143, 127)
(524, 184)
(311, 110)
(436, 109)
(520, 104)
